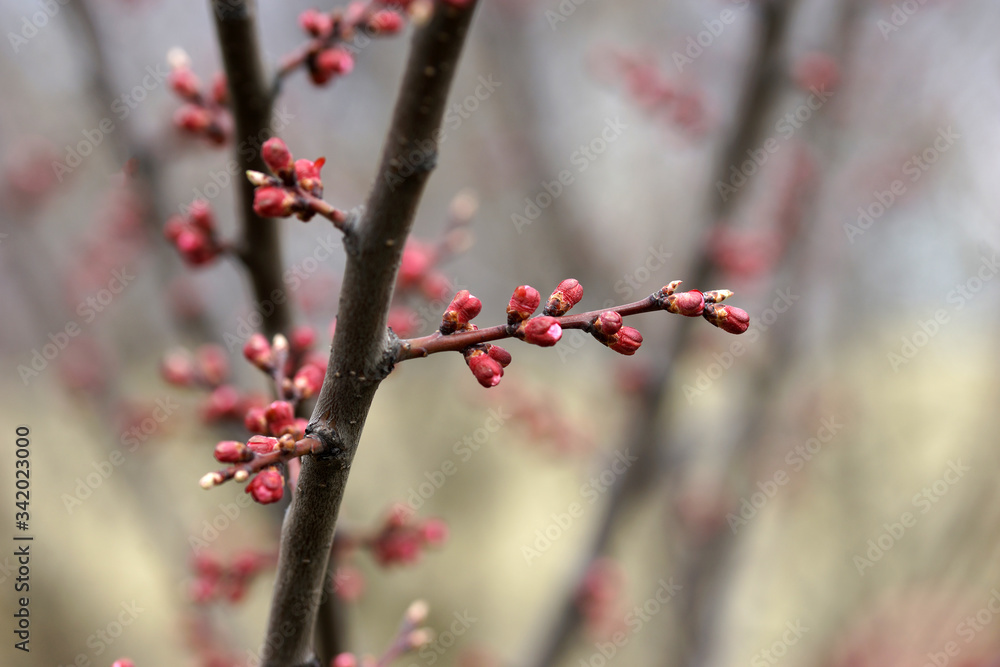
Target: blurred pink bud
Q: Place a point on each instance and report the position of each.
(417, 260)
(185, 83)
(691, 304)
(258, 351)
(463, 308)
(220, 88)
(302, 339)
(434, 532)
(255, 420)
(262, 444)
(523, 304)
(315, 23)
(192, 118)
(213, 363)
(348, 583)
(200, 216)
(334, 61)
(728, 318)
(277, 157)
(487, 370)
(173, 228)
(123, 662)
(402, 321)
(608, 323)
(177, 368)
(309, 380)
(385, 22)
(231, 451)
(222, 403)
(268, 486)
(565, 296)
(542, 331)
(435, 286)
(626, 341)
(273, 202)
(345, 660)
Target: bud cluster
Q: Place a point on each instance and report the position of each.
(194, 234)
(202, 114)
(216, 581)
(330, 52)
(487, 361)
(402, 537)
(295, 189)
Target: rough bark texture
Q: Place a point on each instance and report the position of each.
(363, 348)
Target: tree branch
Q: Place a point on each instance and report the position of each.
(360, 358)
(236, 25)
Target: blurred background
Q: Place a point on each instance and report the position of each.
(819, 491)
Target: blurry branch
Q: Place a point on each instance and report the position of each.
(236, 25)
(362, 347)
(764, 80)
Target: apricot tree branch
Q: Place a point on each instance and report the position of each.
(362, 348)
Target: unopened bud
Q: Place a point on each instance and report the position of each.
(417, 612)
(691, 304)
(626, 341)
(258, 352)
(523, 304)
(487, 370)
(542, 331)
(728, 318)
(608, 323)
(462, 308)
(231, 451)
(273, 202)
(565, 296)
(262, 444)
(277, 157)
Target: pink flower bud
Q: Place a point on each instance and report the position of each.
(222, 403)
(417, 259)
(302, 339)
(213, 364)
(268, 486)
(279, 415)
(273, 202)
(608, 323)
(277, 157)
(434, 532)
(255, 420)
(626, 341)
(435, 286)
(177, 368)
(385, 22)
(728, 318)
(315, 23)
(231, 451)
(185, 83)
(542, 331)
(691, 304)
(345, 660)
(192, 118)
(501, 355)
(402, 321)
(173, 228)
(262, 444)
(308, 380)
(565, 296)
(487, 370)
(123, 662)
(463, 308)
(523, 304)
(335, 61)
(220, 88)
(194, 247)
(200, 216)
(258, 352)
(307, 174)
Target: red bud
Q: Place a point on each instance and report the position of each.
(463, 308)
(728, 318)
(273, 202)
(277, 157)
(691, 304)
(262, 444)
(523, 304)
(542, 331)
(626, 341)
(565, 296)
(487, 370)
(268, 486)
(231, 451)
